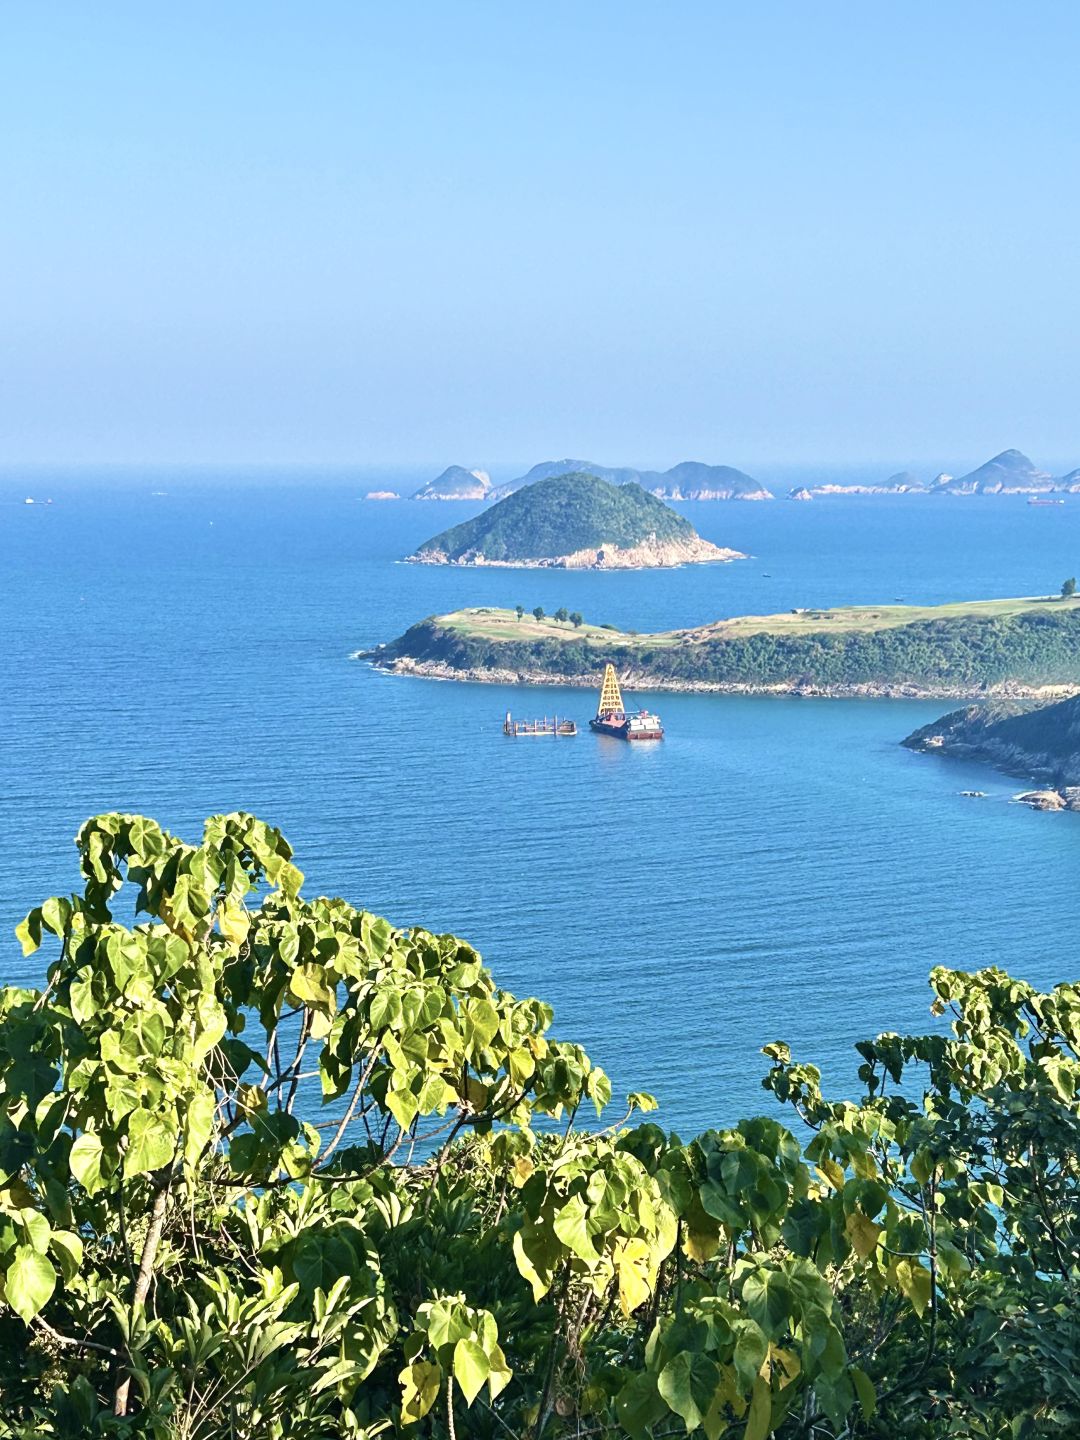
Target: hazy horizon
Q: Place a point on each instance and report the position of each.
(372, 238)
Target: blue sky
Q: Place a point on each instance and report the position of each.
(483, 232)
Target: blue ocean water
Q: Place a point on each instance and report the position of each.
(776, 868)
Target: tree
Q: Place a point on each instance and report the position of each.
(575, 618)
(270, 1167)
(538, 613)
(562, 615)
(1068, 589)
(520, 609)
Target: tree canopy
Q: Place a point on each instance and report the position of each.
(271, 1167)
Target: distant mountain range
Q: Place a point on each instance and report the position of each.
(456, 483)
(690, 480)
(1010, 473)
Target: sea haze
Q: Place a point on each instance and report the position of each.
(773, 869)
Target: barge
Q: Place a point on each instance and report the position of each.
(554, 726)
(612, 717)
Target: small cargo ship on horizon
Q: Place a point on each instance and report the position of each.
(612, 717)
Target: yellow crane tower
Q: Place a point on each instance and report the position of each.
(611, 702)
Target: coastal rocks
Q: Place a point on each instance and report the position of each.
(385, 659)
(1041, 799)
(1037, 741)
(800, 494)
(382, 495)
(649, 554)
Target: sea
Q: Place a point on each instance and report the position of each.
(178, 643)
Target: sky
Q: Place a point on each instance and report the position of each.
(477, 232)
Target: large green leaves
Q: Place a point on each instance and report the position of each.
(29, 1282)
(687, 1384)
(85, 1160)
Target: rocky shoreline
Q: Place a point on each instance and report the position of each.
(650, 554)
(1035, 742)
(635, 681)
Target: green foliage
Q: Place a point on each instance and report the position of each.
(561, 516)
(562, 615)
(1068, 589)
(271, 1168)
(520, 610)
(576, 618)
(1037, 648)
(538, 613)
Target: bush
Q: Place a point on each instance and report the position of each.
(274, 1168)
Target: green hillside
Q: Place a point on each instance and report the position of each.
(561, 516)
(948, 649)
(1041, 740)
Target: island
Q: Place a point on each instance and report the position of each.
(1010, 473)
(456, 483)
(903, 483)
(689, 480)
(981, 648)
(1038, 742)
(574, 522)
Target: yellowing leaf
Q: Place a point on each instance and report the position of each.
(233, 922)
(420, 1384)
(499, 1373)
(832, 1172)
(914, 1281)
(632, 1264)
(522, 1168)
(863, 1234)
(701, 1245)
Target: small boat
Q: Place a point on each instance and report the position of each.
(554, 726)
(612, 717)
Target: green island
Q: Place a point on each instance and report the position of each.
(274, 1169)
(577, 522)
(981, 647)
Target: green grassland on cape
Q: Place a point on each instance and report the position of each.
(960, 648)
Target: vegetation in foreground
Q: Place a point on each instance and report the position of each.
(954, 649)
(272, 1168)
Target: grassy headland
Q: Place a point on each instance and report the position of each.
(979, 647)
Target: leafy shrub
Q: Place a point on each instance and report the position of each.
(270, 1167)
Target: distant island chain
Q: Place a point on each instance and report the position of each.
(1009, 473)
